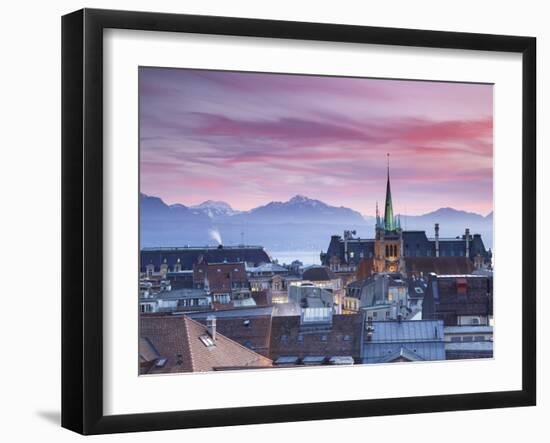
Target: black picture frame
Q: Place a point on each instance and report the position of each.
(82, 218)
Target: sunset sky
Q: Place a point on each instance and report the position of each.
(249, 139)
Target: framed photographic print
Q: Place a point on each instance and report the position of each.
(268, 221)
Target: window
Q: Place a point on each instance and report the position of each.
(324, 338)
(207, 341)
(467, 338)
(300, 338)
(346, 338)
(479, 338)
(160, 362)
(456, 339)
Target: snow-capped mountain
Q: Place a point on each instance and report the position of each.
(213, 209)
(300, 209)
(299, 222)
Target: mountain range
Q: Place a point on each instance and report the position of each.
(300, 223)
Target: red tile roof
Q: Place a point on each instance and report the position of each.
(220, 275)
(439, 265)
(180, 340)
(254, 332)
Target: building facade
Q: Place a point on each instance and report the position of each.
(391, 246)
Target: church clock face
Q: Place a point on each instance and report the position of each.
(392, 268)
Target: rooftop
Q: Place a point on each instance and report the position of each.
(199, 248)
(319, 273)
(403, 331)
(180, 344)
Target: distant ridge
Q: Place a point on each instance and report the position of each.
(300, 223)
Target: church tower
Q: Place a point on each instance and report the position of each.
(388, 239)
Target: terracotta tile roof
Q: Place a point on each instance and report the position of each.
(181, 341)
(439, 265)
(221, 276)
(147, 352)
(254, 332)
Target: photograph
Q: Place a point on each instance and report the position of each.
(299, 220)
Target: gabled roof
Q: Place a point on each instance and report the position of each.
(183, 346)
(416, 339)
(402, 354)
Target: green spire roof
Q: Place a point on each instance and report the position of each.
(389, 222)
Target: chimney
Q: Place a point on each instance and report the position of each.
(346, 235)
(437, 239)
(467, 236)
(211, 326)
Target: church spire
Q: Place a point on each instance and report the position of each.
(389, 222)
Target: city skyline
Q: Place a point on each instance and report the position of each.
(250, 138)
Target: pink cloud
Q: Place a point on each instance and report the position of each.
(252, 138)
